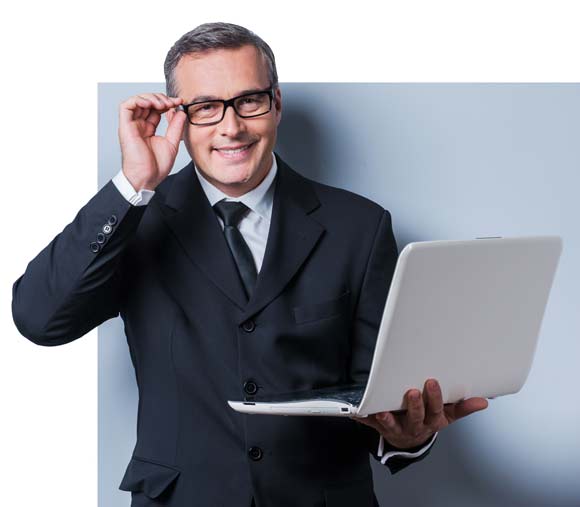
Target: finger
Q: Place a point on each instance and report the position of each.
(415, 412)
(373, 422)
(155, 100)
(134, 108)
(140, 112)
(369, 421)
(130, 109)
(154, 117)
(175, 128)
(164, 99)
(177, 101)
(135, 102)
(151, 110)
(469, 406)
(433, 402)
(138, 107)
(389, 422)
(152, 101)
(455, 411)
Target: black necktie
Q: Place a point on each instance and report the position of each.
(231, 213)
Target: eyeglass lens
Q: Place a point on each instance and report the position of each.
(247, 106)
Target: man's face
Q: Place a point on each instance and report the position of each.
(223, 74)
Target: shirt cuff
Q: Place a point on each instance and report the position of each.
(405, 454)
(140, 198)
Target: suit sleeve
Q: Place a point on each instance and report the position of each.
(75, 283)
(369, 310)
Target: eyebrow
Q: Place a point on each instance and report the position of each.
(201, 98)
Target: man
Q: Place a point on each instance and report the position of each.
(219, 299)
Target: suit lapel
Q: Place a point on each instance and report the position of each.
(292, 236)
(190, 216)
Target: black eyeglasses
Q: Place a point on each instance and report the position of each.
(248, 105)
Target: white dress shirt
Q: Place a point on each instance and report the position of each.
(254, 226)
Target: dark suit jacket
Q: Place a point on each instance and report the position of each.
(195, 343)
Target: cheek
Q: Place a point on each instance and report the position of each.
(199, 142)
(272, 130)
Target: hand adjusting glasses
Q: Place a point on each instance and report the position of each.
(248, 105)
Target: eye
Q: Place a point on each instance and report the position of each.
(207, 108)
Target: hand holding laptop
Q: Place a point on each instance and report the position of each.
(464, 312)
(425, 415)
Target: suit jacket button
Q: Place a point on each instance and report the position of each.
(112, 220)
(255, 453)
(107, 229)
(94, 247)
(250, 387)
(248, 326)
(101, 238)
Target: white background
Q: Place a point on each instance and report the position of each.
(53, 56)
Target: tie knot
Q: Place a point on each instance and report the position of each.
(231, 212)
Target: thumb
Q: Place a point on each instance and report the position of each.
(175, 128)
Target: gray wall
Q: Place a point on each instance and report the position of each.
(450, 161)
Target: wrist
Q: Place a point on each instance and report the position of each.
(139, 183)
(404, 447)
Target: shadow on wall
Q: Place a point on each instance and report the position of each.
(452, 475)
(304, 142)
(301, 142)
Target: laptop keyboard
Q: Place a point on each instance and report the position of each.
(349, 394)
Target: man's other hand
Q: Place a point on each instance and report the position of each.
(147, 158)
(425, 415)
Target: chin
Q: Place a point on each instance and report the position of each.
(232, 177)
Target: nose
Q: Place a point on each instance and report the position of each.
(232, 124)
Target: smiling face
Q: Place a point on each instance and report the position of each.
(223, 74)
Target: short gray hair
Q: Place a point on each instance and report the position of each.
(215, 36)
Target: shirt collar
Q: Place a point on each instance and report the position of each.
(259, 199)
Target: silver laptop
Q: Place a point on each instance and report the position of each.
(467, 313)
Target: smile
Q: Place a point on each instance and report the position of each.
(237, 153)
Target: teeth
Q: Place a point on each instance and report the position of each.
(236, 150)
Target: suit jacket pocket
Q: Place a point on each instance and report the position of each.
(148, 477)
(322, 310)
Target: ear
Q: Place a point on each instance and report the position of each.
(278, 104)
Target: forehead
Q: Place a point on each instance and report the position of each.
(221, 73)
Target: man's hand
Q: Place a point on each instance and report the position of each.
(147, 158)
(424, 416)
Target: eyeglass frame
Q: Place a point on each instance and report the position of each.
(228, 103)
